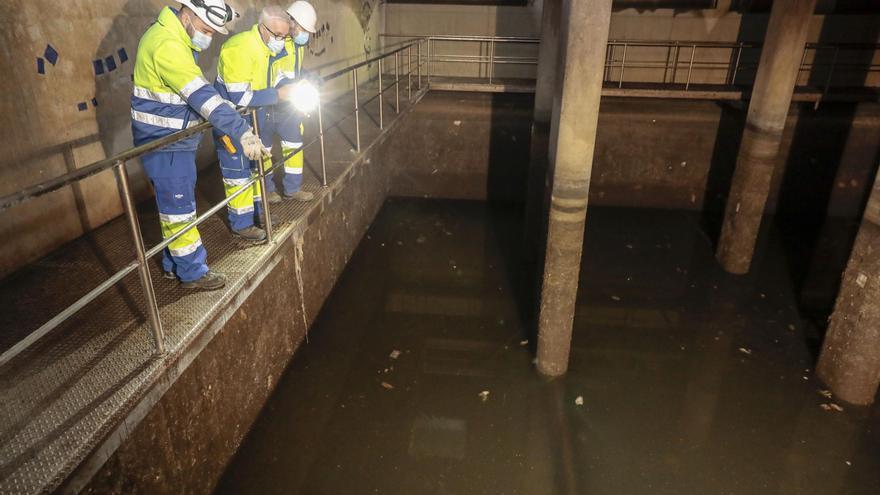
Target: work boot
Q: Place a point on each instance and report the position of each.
(169, 275)
(209, 281)
(272, 218)
(300, 196)
(251, 233)
(273, 197)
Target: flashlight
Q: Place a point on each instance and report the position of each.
(304, 96)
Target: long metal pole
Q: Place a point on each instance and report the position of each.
(675, 63)
(409, 73)
(357, 112)
(736, 66)
(622, 67)
(687, 83)
(431, 49)
(267, 218)
(828, 81)
(666, 65)
(397, 82)
(419, 64)
(143, 268)
(491, 60)
(321, 139)
(381, 99)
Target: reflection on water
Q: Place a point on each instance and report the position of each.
(692, 381)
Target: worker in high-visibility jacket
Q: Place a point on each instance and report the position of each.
(170, 94)
(256, 70)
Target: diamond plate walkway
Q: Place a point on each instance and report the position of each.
(61, 397)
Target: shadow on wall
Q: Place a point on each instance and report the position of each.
(822, 176)
(507, 183)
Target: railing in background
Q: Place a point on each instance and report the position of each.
(679, 64)
(117, 163)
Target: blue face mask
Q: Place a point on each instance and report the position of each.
(275, 45)
(301, 38)
(201, 40)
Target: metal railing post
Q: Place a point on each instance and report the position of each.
(321, 140)
(397, 82)
(687, 83)
(409, 73)
(622, 67)
(381, 99)
(419, 64)
(431, 48)
(264, 193)
(830, 75)
(357, 112)
(801, 66)
(675, 62)
(736, 65)
(491, 60)
(666, 64)
(609, 60)
(143, 268)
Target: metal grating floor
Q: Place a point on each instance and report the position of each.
(61, 396)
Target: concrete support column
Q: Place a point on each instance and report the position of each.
(850, 360)
(545, 87)
(572, 141)
(768, 108)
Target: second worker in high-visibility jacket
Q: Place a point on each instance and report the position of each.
(256, 69)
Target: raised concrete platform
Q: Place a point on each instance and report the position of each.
(92, 392)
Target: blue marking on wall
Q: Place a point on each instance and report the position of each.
(51, 54)
(41, 65)
(94, 102)
(123, 57)
(111, 63)
(81, 106)
(99, 66)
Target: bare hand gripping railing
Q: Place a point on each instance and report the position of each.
(117, 163)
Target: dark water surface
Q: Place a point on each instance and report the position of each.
(692, 381)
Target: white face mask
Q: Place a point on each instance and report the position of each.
(275, 45)
(201, 40)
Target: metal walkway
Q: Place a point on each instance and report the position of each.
(63, 395)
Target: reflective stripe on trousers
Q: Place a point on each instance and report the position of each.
(173, 175)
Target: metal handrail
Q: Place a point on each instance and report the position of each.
(619, 58)
(117, 162)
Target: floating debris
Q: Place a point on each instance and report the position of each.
(615, 298)
(394, 354)
(747, 352)
(830, 406)
(421, 239)
(825, 393)
(387, 385)
(524, 342)
(484, 395)
(579, 400)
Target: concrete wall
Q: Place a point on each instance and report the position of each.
(665, 154)
(69, 116)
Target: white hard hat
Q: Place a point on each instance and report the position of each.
(215, 13)
(304, 14)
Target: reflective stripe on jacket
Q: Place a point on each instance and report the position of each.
(170, 93)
